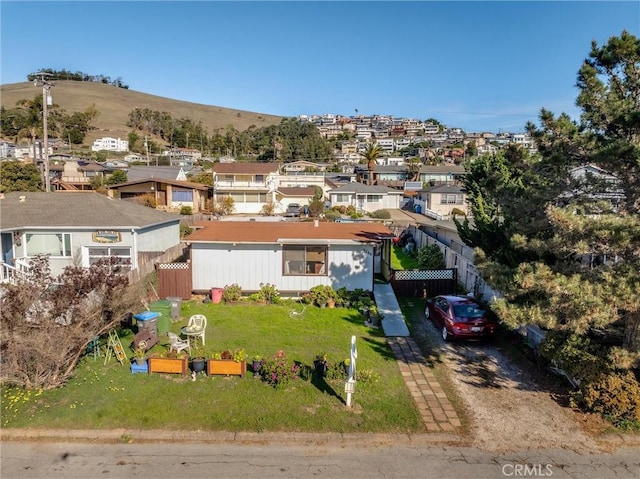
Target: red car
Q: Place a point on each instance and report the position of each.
(459, 317)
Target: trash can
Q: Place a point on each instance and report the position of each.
(416, 208)
(216, 295)
(176, 304)
(148, 320)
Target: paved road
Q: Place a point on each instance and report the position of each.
(373, 457)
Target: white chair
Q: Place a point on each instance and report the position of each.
(197, 326)
(176, 343)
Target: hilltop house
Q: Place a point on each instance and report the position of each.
(250, 185)
(439, 201)
(167, 194)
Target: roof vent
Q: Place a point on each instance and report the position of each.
(23, 199)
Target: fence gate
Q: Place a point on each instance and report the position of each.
(174, 280)
(418, 283)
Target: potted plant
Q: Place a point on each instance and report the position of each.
(256, 362)
(198, 361)
(321, 364)
(227, 362)
(140, 356)
(169, 362)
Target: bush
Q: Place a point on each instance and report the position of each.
(575, 354)
(430, 257)
(279, 371)
(268, 209)
(381, 214)
(332, 215)
(186, 210)
(268, 294)
(224, 207)
(231, 293)
(147, 200)
(615, 396)
(320, 294)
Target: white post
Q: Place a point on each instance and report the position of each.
(350, 385)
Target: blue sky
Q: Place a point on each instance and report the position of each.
(480, 66)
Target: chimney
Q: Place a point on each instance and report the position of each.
(316, 223)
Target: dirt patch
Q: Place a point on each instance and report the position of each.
(508, 409)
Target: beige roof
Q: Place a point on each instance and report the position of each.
(273, 232)
(245, 168)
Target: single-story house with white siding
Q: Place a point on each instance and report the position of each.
(292, 256)
(365, 197)
(80, 228)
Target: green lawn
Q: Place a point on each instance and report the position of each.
(109, 396)
(402, 260)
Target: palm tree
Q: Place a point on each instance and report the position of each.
(370, 155)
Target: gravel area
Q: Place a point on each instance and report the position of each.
(508, 409)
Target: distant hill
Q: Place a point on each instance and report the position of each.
(115, 104)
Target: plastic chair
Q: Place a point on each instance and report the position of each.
(197, 326)
(176, 343)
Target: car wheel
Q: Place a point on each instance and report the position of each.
(445, 334)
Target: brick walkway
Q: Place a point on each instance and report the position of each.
(437, 412)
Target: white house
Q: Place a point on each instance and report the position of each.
(110, 144)
(80, 228)
(292, 256)
(365, 198)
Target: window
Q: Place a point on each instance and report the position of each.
(343, 198)
(299, 260)
(181, 194)
(54, 244)
(122, 254)
(451, 199)
(374, 198)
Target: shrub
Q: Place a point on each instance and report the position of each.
(268, 294)
(332, 215)
(575, 354)
(279, 371)
(186, 210)
(225, 206)
(147, 200)
(381, 214)
(615, 396)
(430, 257)
(185, 230)
(320, 294)
(232, 292)
(268, 209)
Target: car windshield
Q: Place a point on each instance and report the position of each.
(467, 311)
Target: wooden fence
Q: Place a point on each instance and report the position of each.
(424, 283)
(174, 280)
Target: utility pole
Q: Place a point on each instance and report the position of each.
(46, 101)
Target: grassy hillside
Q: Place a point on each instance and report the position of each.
(114, 105)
